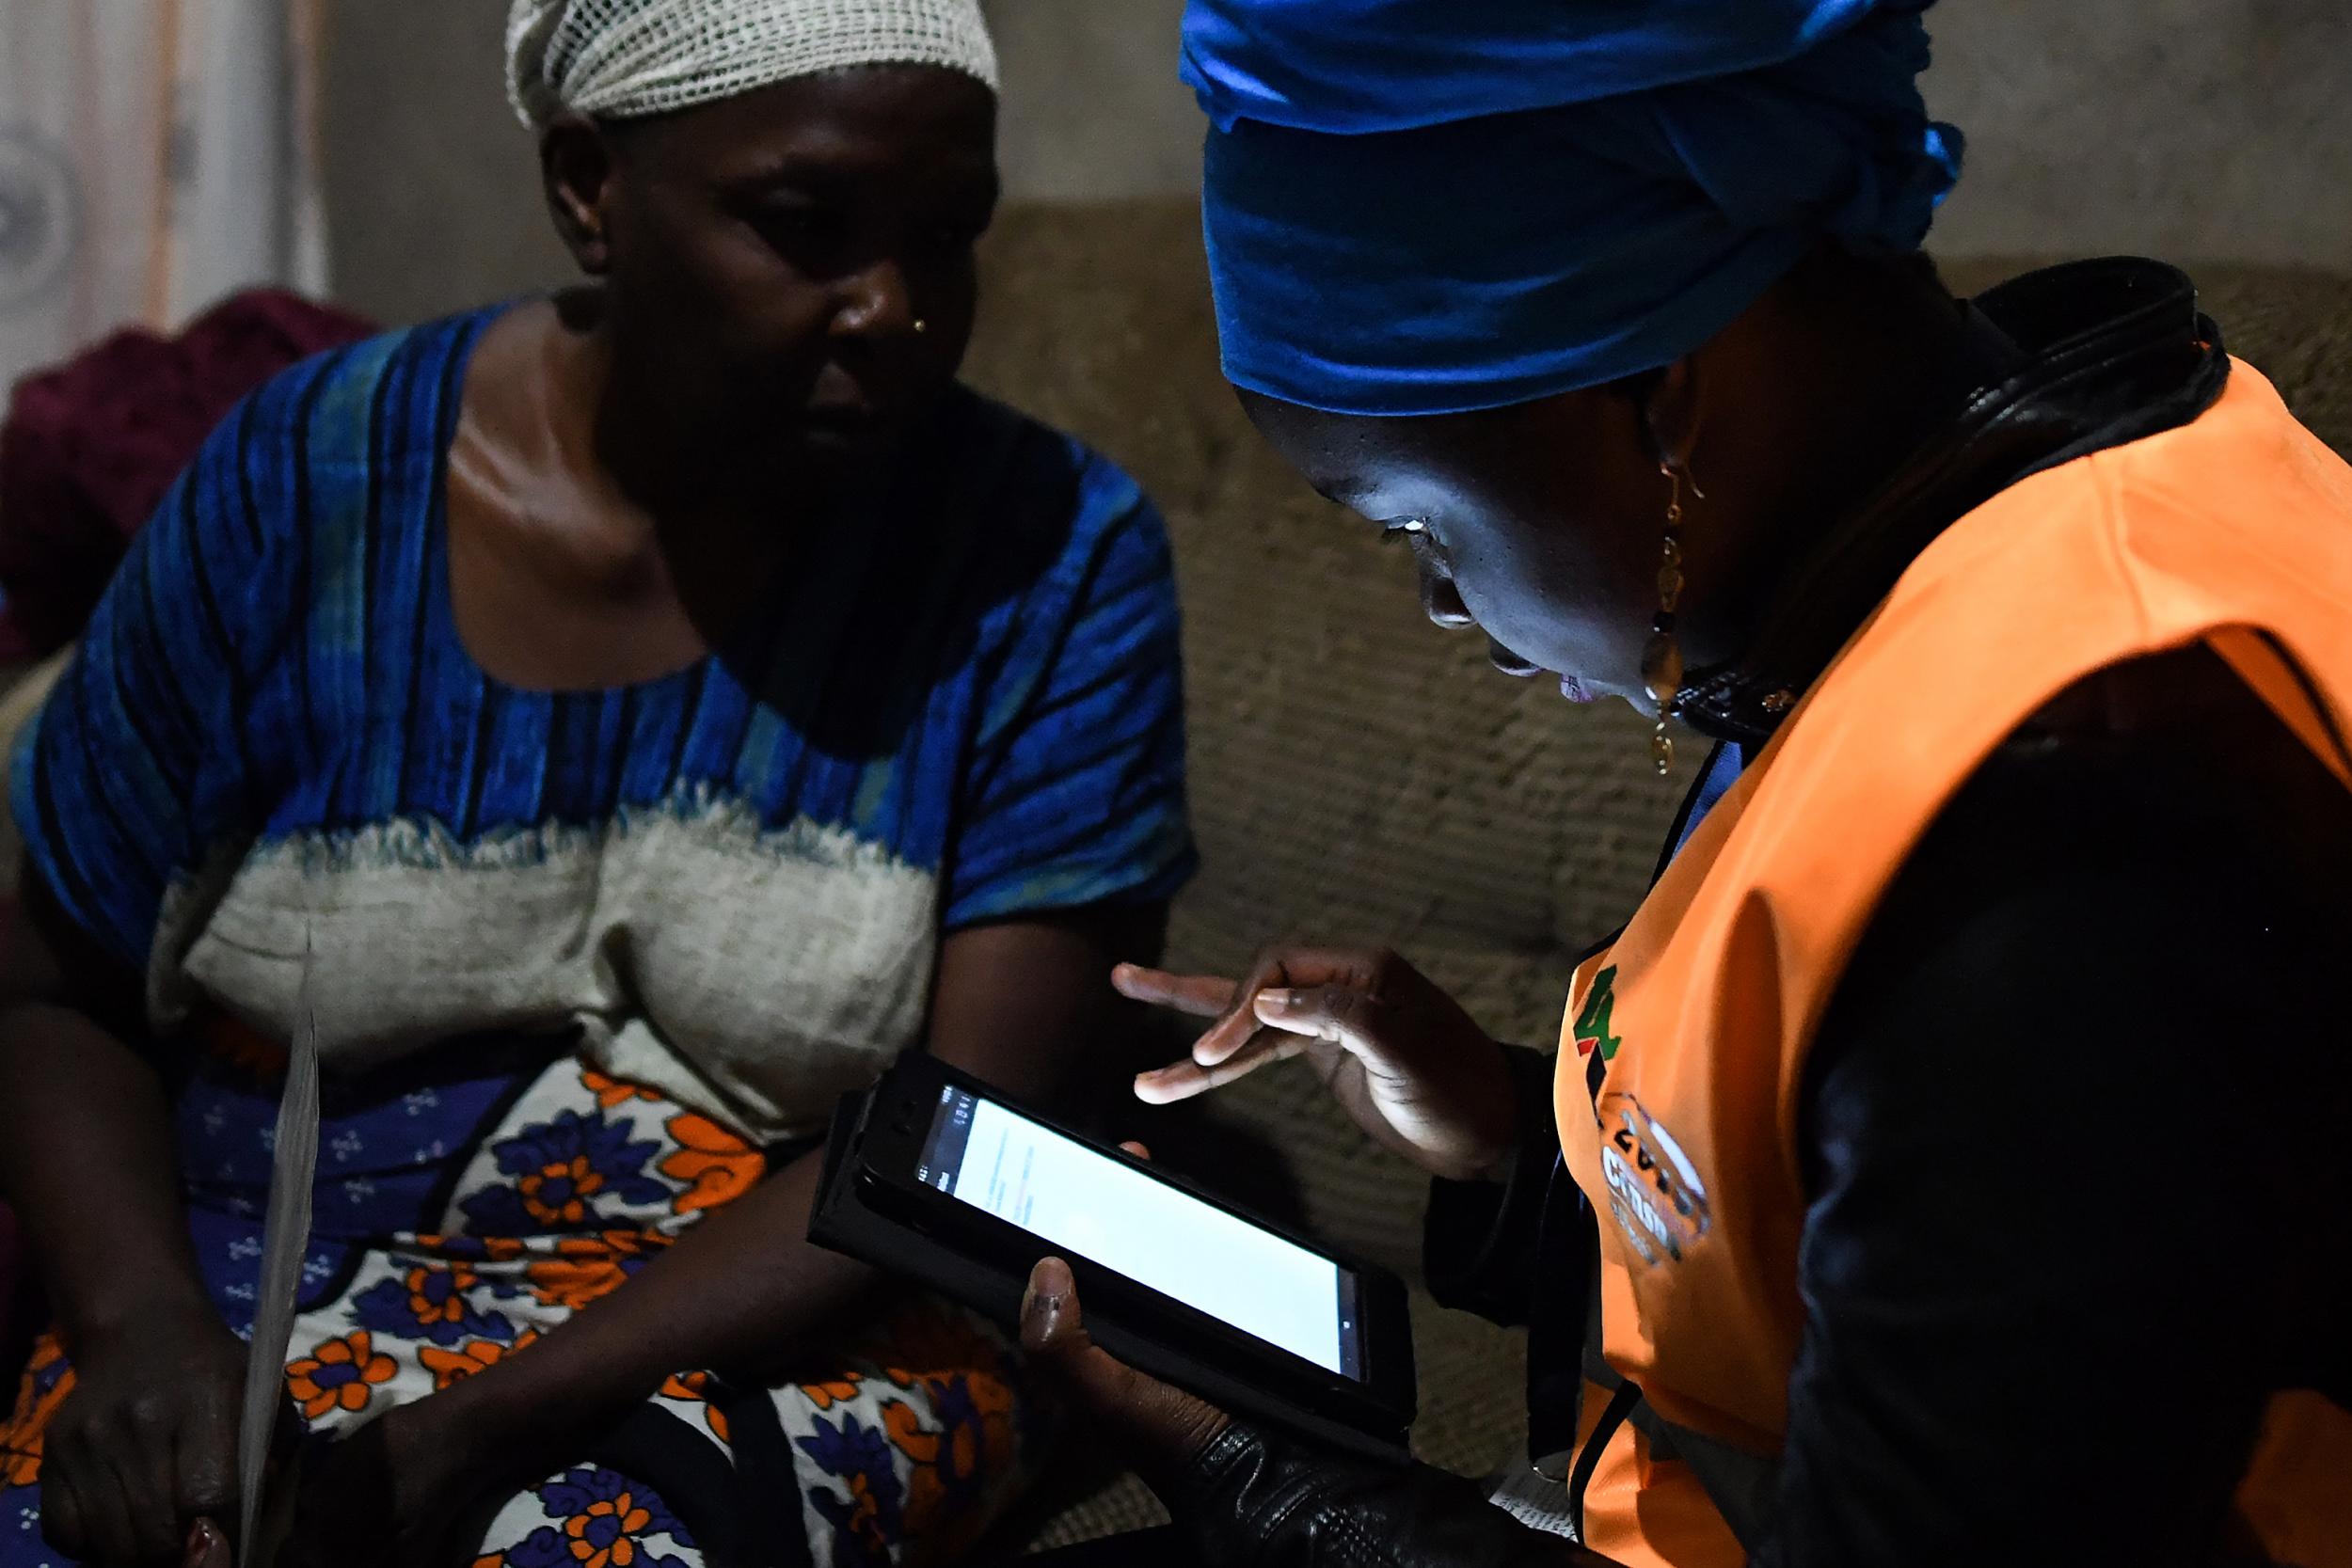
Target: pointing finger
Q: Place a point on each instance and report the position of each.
(1201, 995)
(1342, 1015)
(1184, 1080)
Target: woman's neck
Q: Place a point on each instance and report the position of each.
(1839, 380)
(587, 506)
(648, 444)
(716, 534)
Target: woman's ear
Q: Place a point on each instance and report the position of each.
(1670, 412)
(575, 165)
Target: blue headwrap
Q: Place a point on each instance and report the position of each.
(1425, 206)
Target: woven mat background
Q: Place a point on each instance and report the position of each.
(1360, 776)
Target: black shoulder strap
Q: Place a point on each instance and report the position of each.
(1740, 1485)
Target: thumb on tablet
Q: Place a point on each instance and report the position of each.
(1053, 1331)
(1162, 1426)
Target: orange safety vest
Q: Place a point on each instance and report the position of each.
(2234, 530)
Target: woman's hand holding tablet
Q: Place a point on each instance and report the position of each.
(939, 1178)
(1162, 1426)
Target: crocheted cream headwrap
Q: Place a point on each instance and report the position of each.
(618, 59)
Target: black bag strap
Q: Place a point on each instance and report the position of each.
(1740, 1485)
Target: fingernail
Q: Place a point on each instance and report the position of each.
(204, 1539)
(1277, 1004)
(1040, 1310)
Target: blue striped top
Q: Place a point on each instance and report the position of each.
(977, 680)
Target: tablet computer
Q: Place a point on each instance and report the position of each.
(934, 1176)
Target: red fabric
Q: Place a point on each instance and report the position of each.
(90, 445)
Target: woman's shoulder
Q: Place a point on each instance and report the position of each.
(321, 458)
(2162, 795)
(1029, 474)
(1053, 554)
(381, 400)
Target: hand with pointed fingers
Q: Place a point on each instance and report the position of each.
(1398, 1054)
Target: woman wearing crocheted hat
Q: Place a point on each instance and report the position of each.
(650, 709)
(1946, 1164)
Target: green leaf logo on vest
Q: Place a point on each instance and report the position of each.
(1592, 1025)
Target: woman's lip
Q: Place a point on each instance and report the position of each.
(851, 427)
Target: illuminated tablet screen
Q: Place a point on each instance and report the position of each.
(1109, 1212)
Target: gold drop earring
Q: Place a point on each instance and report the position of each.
(1661, 658)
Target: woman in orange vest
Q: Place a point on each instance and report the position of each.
(1946, 1163)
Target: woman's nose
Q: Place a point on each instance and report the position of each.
(878, 302)
(1442, 603)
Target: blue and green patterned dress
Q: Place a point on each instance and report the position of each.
(587, 963)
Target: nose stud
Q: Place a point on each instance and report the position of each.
(922, 326)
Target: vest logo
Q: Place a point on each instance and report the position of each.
(1592, 1025)
(1655, 1193)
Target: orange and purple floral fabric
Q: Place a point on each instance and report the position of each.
(462, 1216)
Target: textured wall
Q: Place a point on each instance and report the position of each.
(2197, 129)
(2191, 128)
(432, 196)
(431, 191)
(1092, 106)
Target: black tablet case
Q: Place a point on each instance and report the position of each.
(843, 1223)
